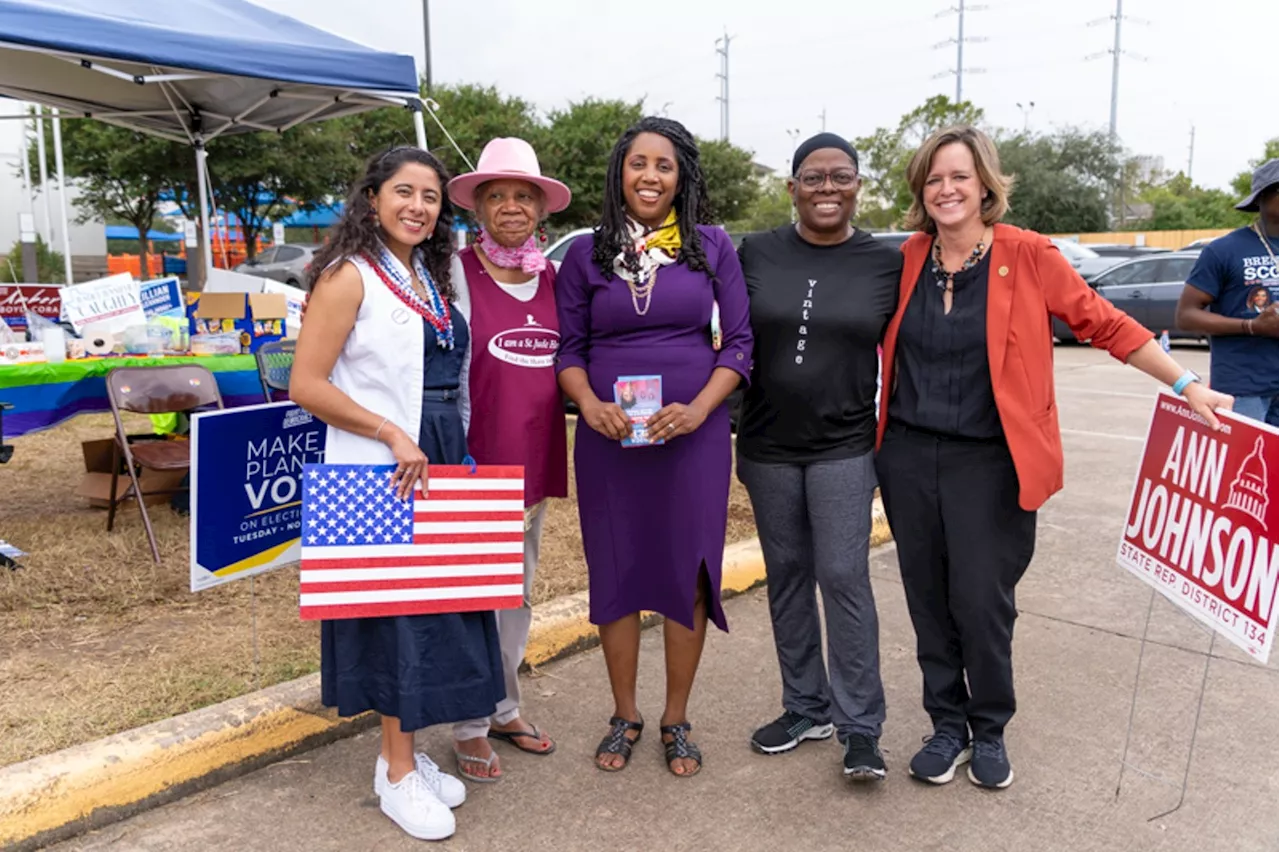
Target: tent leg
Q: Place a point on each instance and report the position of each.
(206, 256)
(62, 197)
(44, 180)
(419, 126)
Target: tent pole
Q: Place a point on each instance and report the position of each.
(26, 167)
(44, 176)
(203, 189)
(62, 196)
(419, 126)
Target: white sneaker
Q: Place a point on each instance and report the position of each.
(411, 805)
(448, 789)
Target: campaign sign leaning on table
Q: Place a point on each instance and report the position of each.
(246, 489)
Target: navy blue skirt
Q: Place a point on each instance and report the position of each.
(421, 669)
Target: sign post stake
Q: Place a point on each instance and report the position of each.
(1195, 729)
(253, 628)
(1133, 701)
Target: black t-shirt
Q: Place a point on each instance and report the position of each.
(818, 313)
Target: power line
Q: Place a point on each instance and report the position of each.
(959, 41)
(1116, 52)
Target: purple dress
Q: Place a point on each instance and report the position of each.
(653, 516)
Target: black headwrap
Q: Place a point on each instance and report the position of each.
(817, 143)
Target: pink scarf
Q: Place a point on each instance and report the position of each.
(527, 258)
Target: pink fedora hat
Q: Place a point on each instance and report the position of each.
(510, 159)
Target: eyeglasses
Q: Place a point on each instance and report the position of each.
(840, 178)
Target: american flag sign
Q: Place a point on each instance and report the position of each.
(366, 553)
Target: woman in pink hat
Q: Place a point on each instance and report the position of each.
(505, 289)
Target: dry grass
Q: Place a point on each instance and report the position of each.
(95, 638)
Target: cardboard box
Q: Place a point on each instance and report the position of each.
(258, 317)
(95, 486)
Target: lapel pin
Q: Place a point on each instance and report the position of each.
(1004, 270)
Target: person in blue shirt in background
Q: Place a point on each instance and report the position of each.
(1232, 295)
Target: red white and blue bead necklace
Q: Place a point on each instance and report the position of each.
(434, 310)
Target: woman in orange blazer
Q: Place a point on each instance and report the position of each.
(968, 433)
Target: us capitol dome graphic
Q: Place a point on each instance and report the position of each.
(1249, 490)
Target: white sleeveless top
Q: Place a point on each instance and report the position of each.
(380, 368)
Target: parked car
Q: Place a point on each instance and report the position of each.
(1084, 259)
(893, 238)
(1123, 251)
(286, 263)
(557, 250)
(1145, 288)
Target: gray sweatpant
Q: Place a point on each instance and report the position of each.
(814, 522)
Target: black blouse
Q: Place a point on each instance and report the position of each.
(943, 375)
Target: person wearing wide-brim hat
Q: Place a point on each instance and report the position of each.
(504, 284)
(1221, 299)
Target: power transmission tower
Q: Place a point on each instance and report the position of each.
(1116, 52)
(823, 118)
(722, 48)
(960, 41)
(1191, 152)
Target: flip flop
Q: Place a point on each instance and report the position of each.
(487, 762)
(512, 737)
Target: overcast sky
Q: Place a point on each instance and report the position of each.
(864, 63)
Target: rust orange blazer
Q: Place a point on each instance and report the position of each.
(1029, 281)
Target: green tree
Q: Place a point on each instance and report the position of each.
(578, 144)
(732, 187)
(116, 172)
(472, 114)
(886, 152)
(1061, 180)
(261, 176)
(1178, 204)
(50, 266)
(770, 209)
(1243, 183)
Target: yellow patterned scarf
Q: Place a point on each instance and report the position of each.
(666, 237)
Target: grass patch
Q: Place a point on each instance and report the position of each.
(95, 638)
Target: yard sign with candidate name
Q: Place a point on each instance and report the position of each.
(1202, 521)
(246, 489)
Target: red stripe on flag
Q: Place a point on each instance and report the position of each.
(467, 538)
(412, 561)
(438, 494)
(466, 517)
(381, 610)
(310, 588)
(460, 471)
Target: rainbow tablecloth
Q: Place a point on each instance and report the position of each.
(44, 395)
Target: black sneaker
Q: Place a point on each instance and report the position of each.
(937, 761)
(862, 758)
(990, 767)
(788, 731)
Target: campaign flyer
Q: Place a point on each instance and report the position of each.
(640, 397)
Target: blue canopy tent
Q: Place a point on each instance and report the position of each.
(193, 71)
(128, 232)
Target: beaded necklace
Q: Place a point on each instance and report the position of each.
(433, 309)
(945, 279)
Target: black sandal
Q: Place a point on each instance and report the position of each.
(680, 747)
(617, 742)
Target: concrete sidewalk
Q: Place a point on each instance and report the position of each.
(1076, 656)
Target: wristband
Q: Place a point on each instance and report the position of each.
(1181, 384)
(377, 433)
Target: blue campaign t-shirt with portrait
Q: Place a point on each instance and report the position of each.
(1239, 272)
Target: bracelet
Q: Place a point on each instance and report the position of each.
(1248, 326)
(378, 432)
(1185, 379)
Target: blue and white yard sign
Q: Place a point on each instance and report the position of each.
(246, 489)
(161, 295)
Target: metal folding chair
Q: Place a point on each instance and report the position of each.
(153, 390)
(275, 363)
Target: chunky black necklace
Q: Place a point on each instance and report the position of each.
(945, 279)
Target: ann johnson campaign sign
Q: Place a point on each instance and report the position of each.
(1202, 522)
(246, 489)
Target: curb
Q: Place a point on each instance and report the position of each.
(60, 795)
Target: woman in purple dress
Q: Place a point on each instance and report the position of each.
(653, 293)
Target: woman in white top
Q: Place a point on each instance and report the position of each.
(379, 360)
(505, 288)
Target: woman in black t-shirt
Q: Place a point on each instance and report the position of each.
(821, 294)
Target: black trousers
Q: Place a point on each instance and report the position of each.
(963, 543)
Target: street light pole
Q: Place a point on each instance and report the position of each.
(1026, 114)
